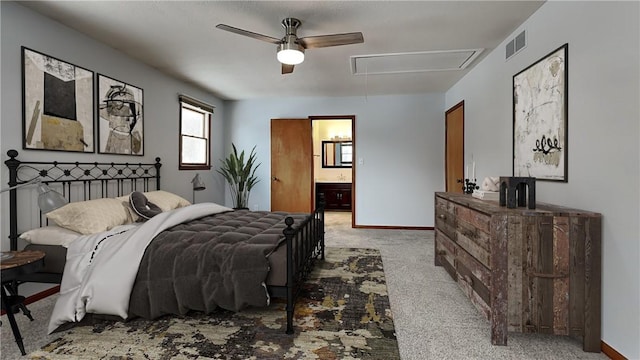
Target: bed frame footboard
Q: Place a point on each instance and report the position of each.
(305, 244)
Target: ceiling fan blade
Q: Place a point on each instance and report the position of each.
(234, 30)
(287, 69)
(311, 42)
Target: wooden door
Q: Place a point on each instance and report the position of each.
(291, 165)
(454, 148)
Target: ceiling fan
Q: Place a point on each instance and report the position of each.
(291, 48)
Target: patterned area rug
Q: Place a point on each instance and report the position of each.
(342, 313)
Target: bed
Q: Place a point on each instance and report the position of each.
(194, 257)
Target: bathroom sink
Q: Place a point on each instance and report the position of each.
(325, 181)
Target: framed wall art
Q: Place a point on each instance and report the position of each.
(120, 114)
(57, 104)
(540, 118)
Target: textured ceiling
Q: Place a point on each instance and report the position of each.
(179, 38)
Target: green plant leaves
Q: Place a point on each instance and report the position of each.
(240, 175)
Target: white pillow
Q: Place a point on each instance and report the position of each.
(50, 235)
(91, 216)
(166, 200)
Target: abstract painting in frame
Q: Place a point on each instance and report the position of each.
(540, 118)
(120, 113)
(57, 104)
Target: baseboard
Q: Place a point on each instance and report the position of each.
(42, 294)
(611, 352)
(39, 296)
(381, 227)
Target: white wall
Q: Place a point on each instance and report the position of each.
(22, 27)
(604, 136)
(399, 138)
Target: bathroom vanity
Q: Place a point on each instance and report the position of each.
(337, 195)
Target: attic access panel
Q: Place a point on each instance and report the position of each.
(408, 62)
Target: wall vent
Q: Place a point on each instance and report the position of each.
(516, 44)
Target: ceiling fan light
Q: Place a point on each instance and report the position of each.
(290, 53)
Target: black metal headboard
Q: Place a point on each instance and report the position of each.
(78, 181)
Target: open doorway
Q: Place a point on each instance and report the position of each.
(334, 164)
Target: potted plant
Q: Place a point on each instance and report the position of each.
(240, 176)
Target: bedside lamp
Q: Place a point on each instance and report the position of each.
(198, 185)
(48, 200)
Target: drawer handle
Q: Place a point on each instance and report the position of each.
(469, 234)
(442, 216)
(441, 252)
(532, 273)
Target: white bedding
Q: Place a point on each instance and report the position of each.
(101, 268)
(50, 235)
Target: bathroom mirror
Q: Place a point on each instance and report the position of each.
(337, 154)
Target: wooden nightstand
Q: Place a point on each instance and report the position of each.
(14, 264)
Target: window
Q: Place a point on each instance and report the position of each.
(347, 153)
(195, 132)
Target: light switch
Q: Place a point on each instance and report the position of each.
(360, 161)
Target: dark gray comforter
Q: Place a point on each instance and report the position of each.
(219, 260)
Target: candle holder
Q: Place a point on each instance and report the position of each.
(469, 185)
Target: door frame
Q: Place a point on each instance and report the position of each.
(354, 162)
(446, 139)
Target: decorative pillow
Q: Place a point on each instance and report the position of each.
(142, 206)
(91, 216)
(133, 216)
(50, 235)
(163, 199)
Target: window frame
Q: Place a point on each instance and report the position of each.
(207, 112)
(343, 146)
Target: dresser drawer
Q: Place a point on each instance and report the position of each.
(445, 205)
(473, 233)
(481, 275)
(476, 219)
(474, 242)
(472, 277)
(445, 253)
(446, 223)
(476, 291)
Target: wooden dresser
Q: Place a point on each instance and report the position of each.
(530, 271)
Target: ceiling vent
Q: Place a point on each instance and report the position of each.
(412, 62)
(516, 44)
